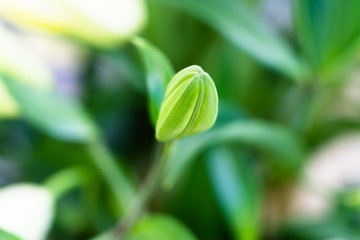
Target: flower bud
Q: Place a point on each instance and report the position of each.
(190, 105)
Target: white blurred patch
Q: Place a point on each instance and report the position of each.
(333, 167)
(26, 210)
(105, 23)
(307, 204)
(49, 11)
(121, 17)
(347, 104)
(20, 62)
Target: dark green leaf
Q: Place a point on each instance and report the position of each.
(247, 30)
(329, 31)
(159, 71)
(57, 117)
(237, 192)
(333, 228)
(160, 227)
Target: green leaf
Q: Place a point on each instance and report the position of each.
(328, 30)
(279, 143)
(8, 236)
(67, 120)
(160, 227)
(20, 62)
(57, 117)
(333, 227)
(237, 192)
(159, 71)
(247, 30)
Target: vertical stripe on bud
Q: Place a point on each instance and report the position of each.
(190, 105)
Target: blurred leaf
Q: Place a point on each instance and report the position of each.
(58, 117)
(7, 236)
(20, 62)
(334, 228)
(247, 30)
(237, 192)
(329, 31)
(66, 120)
(160, 227)
(159, 71)
(114, 174)
(279, 143)
(8, 105)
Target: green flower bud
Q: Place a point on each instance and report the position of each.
(190, 105)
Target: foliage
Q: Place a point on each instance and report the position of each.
(282, 91)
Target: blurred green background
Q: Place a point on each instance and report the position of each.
(78, 100)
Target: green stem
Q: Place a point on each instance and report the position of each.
(114, 176)
(148, 189)
(64, 181)
(319, 105)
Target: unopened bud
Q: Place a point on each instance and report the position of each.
(190, 105)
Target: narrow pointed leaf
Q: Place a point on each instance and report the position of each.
(57, 117)
(237, 192)
(317, 25)
(160, 227)
(159, 71)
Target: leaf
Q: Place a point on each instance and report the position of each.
(237, 192)
(67, 120)
(247, 30)
(318, 22)
(160, 227)
(20, 62)
(7, 236)
(159, 71)
(57, 117)
(333, 227)
(8, 105)
(279, 143)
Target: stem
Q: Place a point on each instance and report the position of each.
(64, 181)
(148, 189)
(114, 176)
(294, 105)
